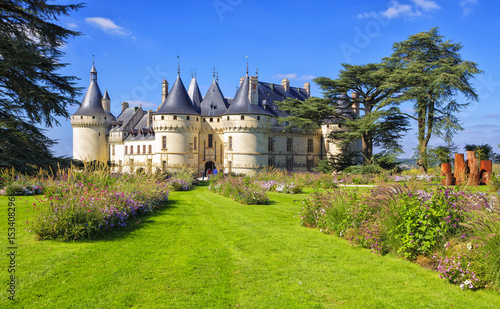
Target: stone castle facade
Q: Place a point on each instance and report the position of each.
(240, 134)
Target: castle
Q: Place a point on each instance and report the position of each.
(240, 135)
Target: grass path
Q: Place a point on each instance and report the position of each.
(205, 251)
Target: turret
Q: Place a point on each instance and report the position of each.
(91, 123)
(106, 102)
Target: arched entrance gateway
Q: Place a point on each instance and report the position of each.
(210, 165)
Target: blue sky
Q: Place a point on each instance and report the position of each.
(136, 45)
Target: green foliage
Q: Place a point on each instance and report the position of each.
(344, 159)
(369, 169)
(241, 190)
(431, 72)
(14, 189)
(441, 154)
(483, 152)
(33, 90)
(427, 222)
(386, 160)
(323, 166)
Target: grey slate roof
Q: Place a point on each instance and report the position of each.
(241, 104)
(91, 104)
(177, 101)
(214, 103)
(141, 131)
(195, 94)
(124, 118)
(106, 95)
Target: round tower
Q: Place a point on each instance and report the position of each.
(246, 126)
(177, 125)
(91, 124)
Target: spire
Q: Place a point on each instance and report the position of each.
(217, 78)
(93, 73)
(178, 66)
(241, 103)
(214, 73)
(194, 93)
(214, 103)
(257, 71)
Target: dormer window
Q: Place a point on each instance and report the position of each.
(211, 120)
(162, 117)
(258, 117)
(175, 117)
(242, 117)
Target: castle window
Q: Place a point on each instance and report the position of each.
(195, 143)
(227, 117)
(162, 117)
(138, 149)
(150, 149)
(289, 144)
(270, 145)
(188, 118)
(99, 133)
(258, 117)
(104, 118)
(93, 117)
(196, 118)
(204, 119)
(126, 149)
(242, 117)
(143, 148)
(327, 146)
(131, 149)
(164, 142)
(81, 117)
(218, 119)
(175, 117)
(164, 165)
(113, 150)
(270, 162)
(211, 120)
(327, 126)
(310, 145)
(230, 142)
(210, 140)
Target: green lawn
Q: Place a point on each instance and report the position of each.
(205, 251)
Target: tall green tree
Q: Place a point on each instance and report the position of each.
(432, 73)
(376, 124)
(32, 92)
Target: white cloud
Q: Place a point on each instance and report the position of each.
(426, 5)
(289, 76)
(107, 25)
(407, 10)
(467, 6)
(143, 104)
(294, 76)
(72, 26)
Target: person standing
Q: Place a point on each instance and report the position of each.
(215, 171)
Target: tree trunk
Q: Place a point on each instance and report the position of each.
(367, 149)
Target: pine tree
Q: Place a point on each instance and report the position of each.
(431, 73)
(32, 92)
(378, 123)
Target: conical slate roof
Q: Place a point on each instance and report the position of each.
(91, 104)
(214, 103)
(177, 101)
(241, 103)
(106, 95)
(195, 94)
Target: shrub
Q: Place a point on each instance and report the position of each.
(15, 189)
(241, 190)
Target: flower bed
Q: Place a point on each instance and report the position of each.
(419, 225)
(82, 205)
(236, 188)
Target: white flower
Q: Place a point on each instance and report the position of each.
(469, 246)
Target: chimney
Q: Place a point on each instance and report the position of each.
(307, 87)
(286, 84)
(164, 90)
(124, 106)
(149, 119)
(241, 80)
(253, 96)
(355, 103)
